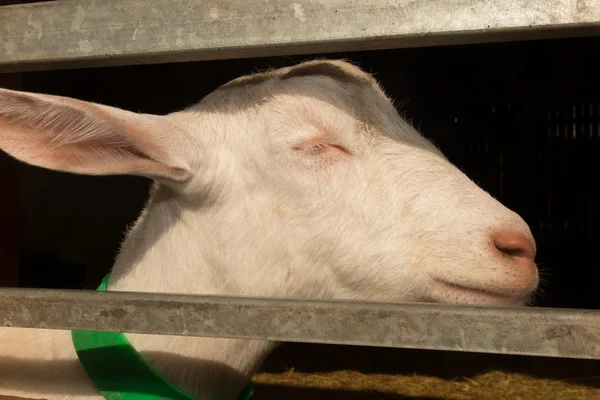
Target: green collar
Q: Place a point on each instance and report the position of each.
(120, 373)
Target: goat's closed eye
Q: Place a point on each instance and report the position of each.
(311, 147)
(317, 146)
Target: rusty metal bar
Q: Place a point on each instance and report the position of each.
(81, 33)
(527, 331)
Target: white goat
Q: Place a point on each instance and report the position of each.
(301, 182)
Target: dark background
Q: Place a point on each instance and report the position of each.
(521, 119)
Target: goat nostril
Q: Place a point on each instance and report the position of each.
(515, 245)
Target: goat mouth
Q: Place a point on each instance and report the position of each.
(512, 296)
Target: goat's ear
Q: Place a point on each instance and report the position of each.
(75, 136)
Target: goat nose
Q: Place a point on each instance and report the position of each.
(515, 245)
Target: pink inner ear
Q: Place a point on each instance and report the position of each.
(75, 136)
(92, 156)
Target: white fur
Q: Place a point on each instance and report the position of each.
(307, 186)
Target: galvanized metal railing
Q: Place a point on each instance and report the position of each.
(527, 331)
(116, 32)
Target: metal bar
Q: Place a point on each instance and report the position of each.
(82, 33)
(527, 331)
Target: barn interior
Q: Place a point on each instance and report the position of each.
(522, 119)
